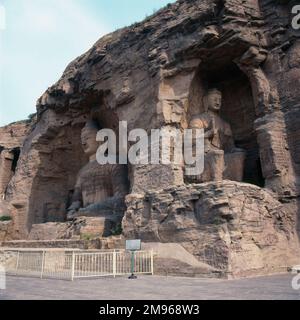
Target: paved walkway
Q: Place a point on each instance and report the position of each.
(152, 288)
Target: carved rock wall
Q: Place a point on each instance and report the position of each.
(236, 228)
(48, 165)
(11, 140)
(153, 75)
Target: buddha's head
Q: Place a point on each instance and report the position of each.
(213, 100)
(88, 138)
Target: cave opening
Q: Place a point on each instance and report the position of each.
(16, 155)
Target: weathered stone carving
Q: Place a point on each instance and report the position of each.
(11, 140)
(231, 226)
(222, 159)
(265, 97)
(153, 75)
(269, 126)
(100, 189)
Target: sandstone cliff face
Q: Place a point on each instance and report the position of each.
(153, 75)
(11, 141)
(237, 228)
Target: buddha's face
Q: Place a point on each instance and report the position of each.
(88, 140)
(214, 101)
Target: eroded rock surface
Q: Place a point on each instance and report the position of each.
(234, 227)
(11, 140)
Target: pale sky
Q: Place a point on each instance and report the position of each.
(41, 37)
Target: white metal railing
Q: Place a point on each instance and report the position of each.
(75, 264)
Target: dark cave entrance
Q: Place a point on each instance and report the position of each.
(16, 155)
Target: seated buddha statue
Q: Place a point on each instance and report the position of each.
(100, 190)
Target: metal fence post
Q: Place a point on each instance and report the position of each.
(43, 264)
(114, 263)
(133, 260)
(152, 264)
(73, 266)
(17, 262)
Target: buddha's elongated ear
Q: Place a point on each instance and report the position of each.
(95, 116)
(205, 102)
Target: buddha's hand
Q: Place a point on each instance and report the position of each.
(91, 210)
(109, 205)
(96, 207)
(75, 206)
(209, 134)
(73, 209)
(237, 150)
(83, 211)
(71, 214)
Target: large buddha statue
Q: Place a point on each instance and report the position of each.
(222, 160)
(100, 189)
